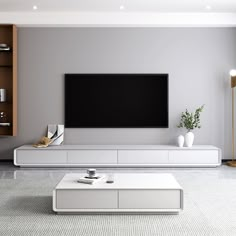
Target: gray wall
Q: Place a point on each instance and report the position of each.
(197, 60)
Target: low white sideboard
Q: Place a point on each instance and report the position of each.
(117, 156)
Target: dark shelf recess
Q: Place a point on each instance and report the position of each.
(5, 50)
(5, 65)
(6, 103)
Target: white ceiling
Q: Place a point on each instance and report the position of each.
(141, 13)
(114, 5)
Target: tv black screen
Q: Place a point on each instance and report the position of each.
(116, 100)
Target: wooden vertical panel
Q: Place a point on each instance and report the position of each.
(233, 81)
(14, 80)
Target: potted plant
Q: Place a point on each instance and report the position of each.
(190, 121)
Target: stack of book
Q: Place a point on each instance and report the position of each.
(90, 180)
(4, 47)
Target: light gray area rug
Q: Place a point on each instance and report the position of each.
(209, 206)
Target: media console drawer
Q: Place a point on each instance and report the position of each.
(92, 157)
(194, 157)
(41, 157)
(142, 156)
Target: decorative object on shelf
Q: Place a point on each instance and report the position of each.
(189, 138)
(2, 95)
(190, 121)
(180, 140)
(56, 134)
(4, 47)
(5, 124)
(3, 117)
(233, 85)
(43, 142)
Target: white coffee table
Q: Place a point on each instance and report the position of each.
(143, 193)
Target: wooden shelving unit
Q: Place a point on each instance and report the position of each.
(8, 78)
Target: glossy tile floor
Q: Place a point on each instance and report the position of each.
(26, 205)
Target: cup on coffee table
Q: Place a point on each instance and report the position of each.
(91, 173)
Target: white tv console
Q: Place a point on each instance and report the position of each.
(117, 156)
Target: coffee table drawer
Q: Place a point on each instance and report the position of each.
(86, 199)
(150, 199)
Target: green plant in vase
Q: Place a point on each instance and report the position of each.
(190, 121)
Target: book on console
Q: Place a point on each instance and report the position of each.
(87, 180)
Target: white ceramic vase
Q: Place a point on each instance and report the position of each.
(180, 140)
(189, 138)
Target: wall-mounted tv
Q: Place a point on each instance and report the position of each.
(116, 100)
